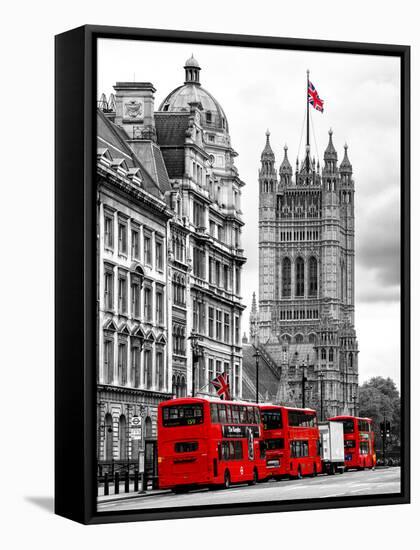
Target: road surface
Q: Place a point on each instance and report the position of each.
(353, 483)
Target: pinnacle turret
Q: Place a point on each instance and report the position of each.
(267, 153)
(345, 166)
(330, 152)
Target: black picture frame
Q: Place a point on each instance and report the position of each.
(75, 271)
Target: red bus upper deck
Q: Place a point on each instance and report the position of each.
(205, 442)
(291, 439)
(359, 441)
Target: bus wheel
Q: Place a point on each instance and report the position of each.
(315, 472)
(226, 483)
(299, 473)
(254, 479)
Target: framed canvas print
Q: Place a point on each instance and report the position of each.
(232, 274)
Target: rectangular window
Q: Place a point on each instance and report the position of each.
(147, 250)
(109, 361)
(226, 335)
(238, 280)
(159, 370)
(135, 244)
(122, 363)
(237, 331)
(122, 238)
(211, 322)
(159, 308)
(122, 293)
(218, 324)
(135, 298)
(211, 374)
(148, 304)
(109, 232)
(135, 366)
(195, 314)
(225, 277)
(159, 255)
(211, 270)
(148, 368)
(217, 273)
(109, 290)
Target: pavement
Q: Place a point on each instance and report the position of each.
(353, 483)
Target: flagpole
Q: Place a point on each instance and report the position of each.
(307, 119)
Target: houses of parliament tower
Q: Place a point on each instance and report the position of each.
(304, 322)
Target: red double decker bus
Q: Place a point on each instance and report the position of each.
(291, 440)
(359, 442)
(208, 442)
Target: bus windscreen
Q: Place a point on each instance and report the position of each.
(182, 415)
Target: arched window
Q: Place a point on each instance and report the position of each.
(312, 338)
(173, 384)
(122, 437)
(331, 355)
(108, 437)
(323, 354)
(351, 360)
(300, 277)
(313, 276)
(286, 277)
(299, 338)
(183, 387)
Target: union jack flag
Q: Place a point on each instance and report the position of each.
(221, 383)
(314, 99)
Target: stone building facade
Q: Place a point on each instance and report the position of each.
(305, 319)
(133, 359)
(205, 253)
(169, 256)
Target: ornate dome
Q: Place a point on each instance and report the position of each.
(191, 62)
(192, 92)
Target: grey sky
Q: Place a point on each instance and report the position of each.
(260, 89)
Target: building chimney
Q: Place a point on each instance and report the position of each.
(135, 109)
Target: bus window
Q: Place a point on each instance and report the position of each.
(257, 415)
(271, 419)
(235, 414)
(274, 444)
(186, 446)
(243, 417)
(364, 447)
(348, 426)
(231, 450)
(183, 415)
(299, 449)
(228, 413)
(364, 426)
(222, 414)
(214, 413)
(251, 415)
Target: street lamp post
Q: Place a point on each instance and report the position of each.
(355, 404)
(304, 379)
(321, 376)
(194, 349)
(257, 373)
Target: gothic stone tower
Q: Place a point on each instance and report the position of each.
(306, 277)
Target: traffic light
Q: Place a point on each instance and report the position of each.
(388, 428)
(382, 428)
